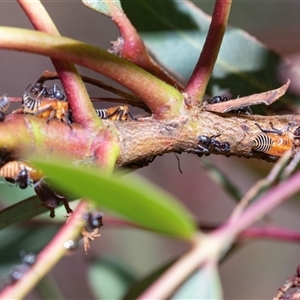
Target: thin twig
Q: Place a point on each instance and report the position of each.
(261, 186)
(130, 45)
(210, 247)
(196, 86)
(221, 178)
(274, 233)
(49, 256)
(165, 103)
(82, 108)
(127, 97)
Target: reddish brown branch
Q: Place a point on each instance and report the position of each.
(48, 257)
(82, 109)
(196, 86)
(127, 97)
(130, 45)
(165, 103)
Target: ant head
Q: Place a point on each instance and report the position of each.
(23, 179)
(204, 139)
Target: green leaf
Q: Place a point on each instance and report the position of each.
(31, 239)
(175, 32)
(106, 8)
(21, 211)
(130, 196)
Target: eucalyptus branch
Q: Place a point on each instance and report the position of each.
(270, 232)
(127, 97)
(262, 206)
(135, 138)
(130, 45)
(30, 135)
(196, 86)
(209, 247)
(165, 103)
(82, 109)
(261, 185)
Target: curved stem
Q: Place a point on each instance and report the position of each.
(210, 247)
(82, 108)
(270, 232)
(127, 97)
(166, 102)
(49, 256)
(265, 204)
(205, 248)
(197, 84)
(28, 135)
(130, 45)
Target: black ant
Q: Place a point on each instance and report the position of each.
(40, 90)
(207, 145)
(217, 99)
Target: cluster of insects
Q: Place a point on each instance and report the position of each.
(272, 142)
(275, 142)
(51, 103)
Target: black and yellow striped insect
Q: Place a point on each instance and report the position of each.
(274, 142)
(4, 104)
(116, 113)
(20, 172)
(48, 108)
